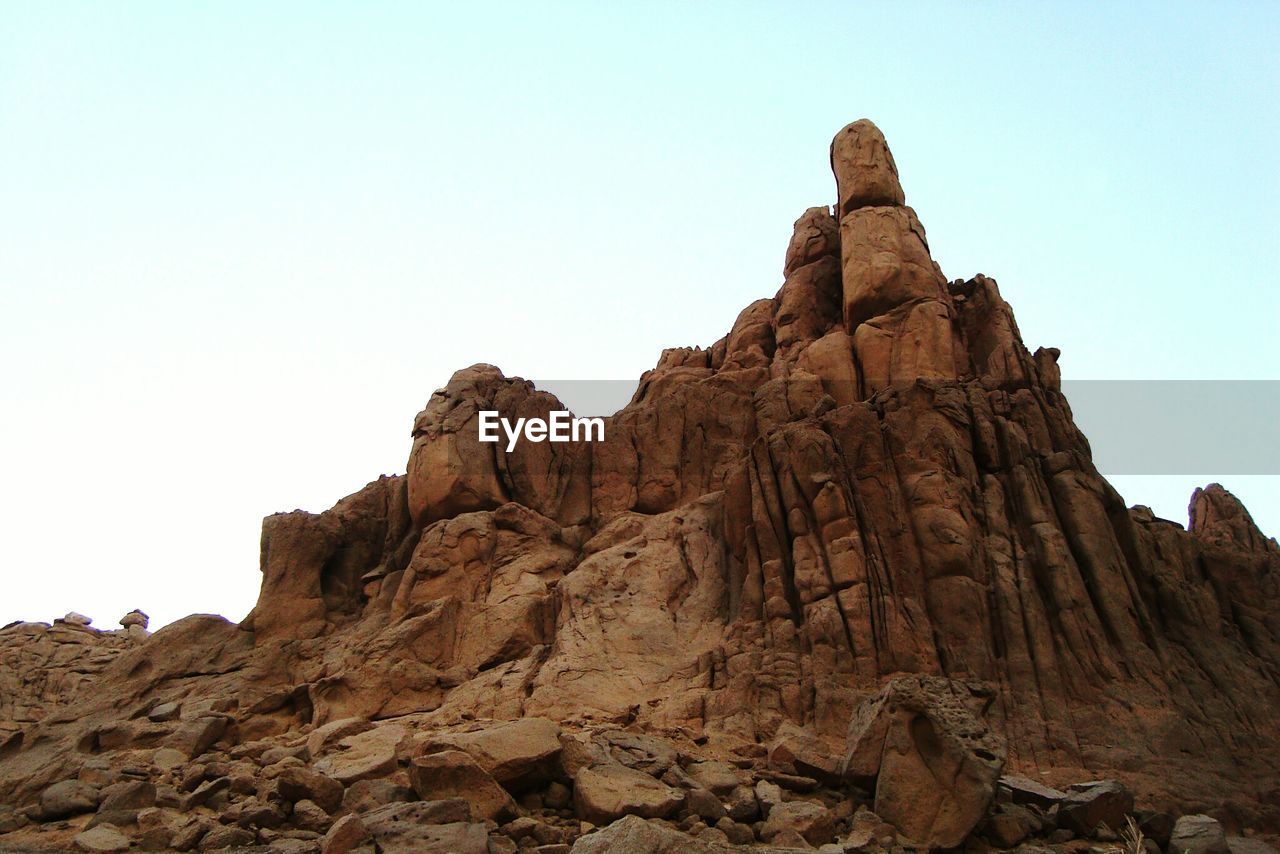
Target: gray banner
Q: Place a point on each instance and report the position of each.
(1139, 427)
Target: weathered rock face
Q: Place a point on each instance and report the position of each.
(931, 760)
(867, 503)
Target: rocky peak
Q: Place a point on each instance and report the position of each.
(865, 172)
(863, 524)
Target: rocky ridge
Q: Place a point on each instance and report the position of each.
(846, 577)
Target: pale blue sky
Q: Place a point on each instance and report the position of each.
(240, 243)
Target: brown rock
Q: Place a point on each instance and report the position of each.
(396, 831)
(797, 751)
(135, 618)
(519, 754)
(103, 839)
(222, 837)
(322, 738)
(634, 835)
(366, 795)
(933, 761)
(1089, 804)
(603, 793)
(719, 777)
(1198, 834)
(1025, 791)
(297, 784)
(705, 805)
(366, 755)
(346, 834)
(67, 798)
(1010, 824)
(188, 836)
(868, 477)
(811, 821)
(194, 737)
(863, 165)
(308, 815)
(886, 264)
(128, 795)
(454, 774)
(445, 811)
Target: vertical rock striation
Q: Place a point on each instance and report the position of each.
(869, 477)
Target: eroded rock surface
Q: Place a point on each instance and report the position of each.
(854, 555)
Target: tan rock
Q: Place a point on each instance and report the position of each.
(454, 774)
(885, 263)
(346, 834)
(366, 755)
(1198, 834)
(868, 476)
(518, 754)
(864, 168)
(813, 822)
(933, 761)
(297, 784)
(718, 777)
(67, 798)
(103, 839)
(603, 793)
(323, 737)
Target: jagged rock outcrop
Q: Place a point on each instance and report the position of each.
(868, 484)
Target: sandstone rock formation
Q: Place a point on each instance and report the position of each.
(827, 578)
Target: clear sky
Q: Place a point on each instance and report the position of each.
(241, 243)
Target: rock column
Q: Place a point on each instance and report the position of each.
(894, 296)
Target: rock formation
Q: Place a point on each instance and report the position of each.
(824, 582)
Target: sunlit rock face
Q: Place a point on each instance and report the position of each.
(863, 524)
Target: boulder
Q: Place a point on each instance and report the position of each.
(162, 712)
(864, 168)
(128, 795)
(398, 832)
(742, 804)
(67, 798)
(634, 835)
(226, 836)
(520, 754)
(135, 618)
(448, 811)
(1249, 845)
(346, 834)
(1156, 826)
(1023, 790)
(196, 736)
(641, 752)
(189, 835)
(323, 737)
(811, 821)
(718, 777)
(1010, 824)
(365, 755)
(705, 805)
(366, 795)
(454, 774)
(103, 839)
(297, 784)
(768, 795)
(308, 815)
(603, 793)
(797, 751)
(1097, 802)
(1198, 834)
(933, 762)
